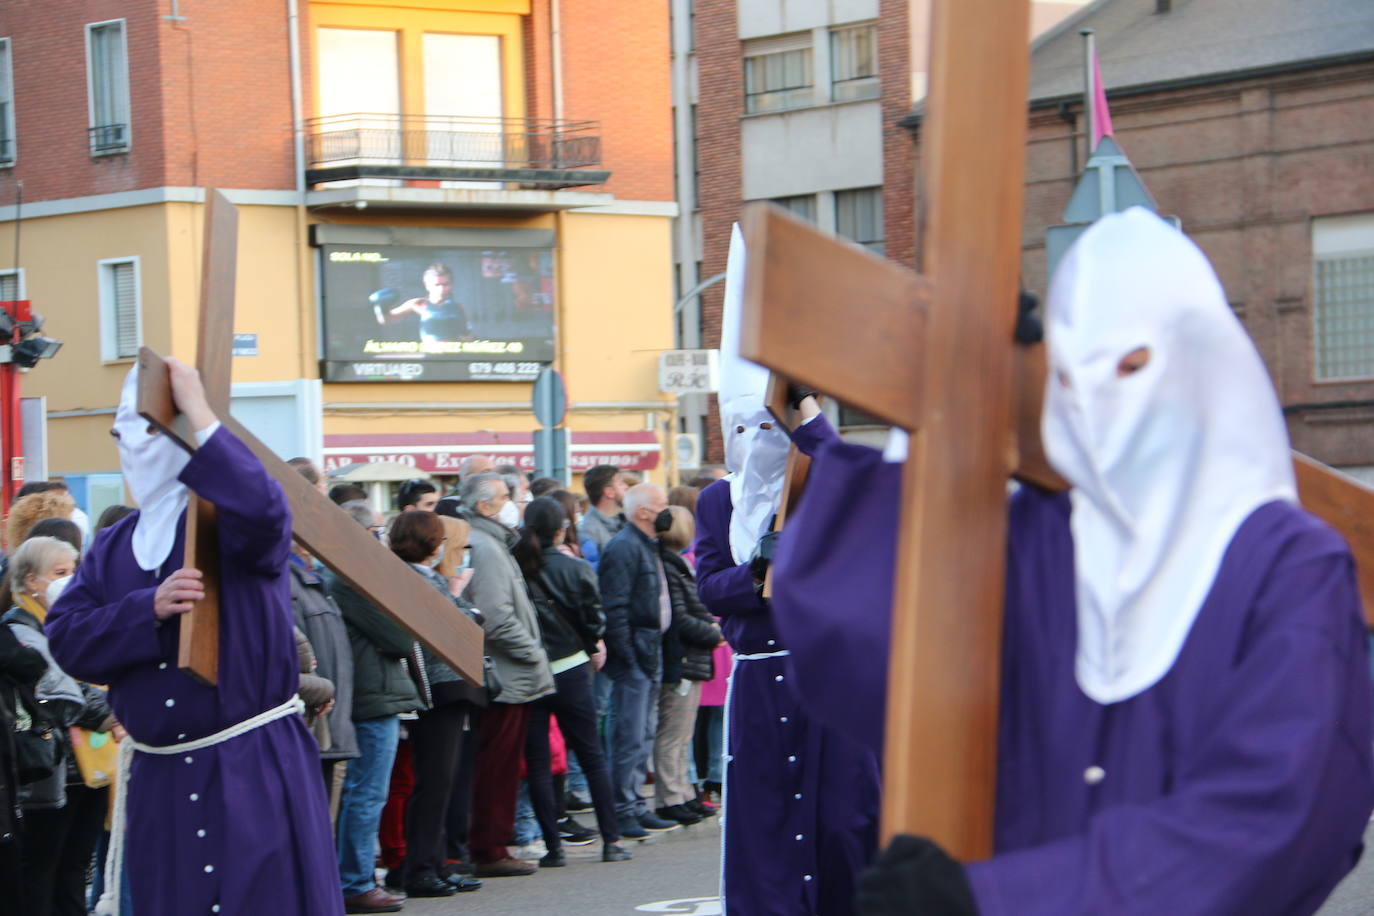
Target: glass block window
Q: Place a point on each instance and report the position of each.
(777, 74)
(854, 63)
(1343, 310)
(859, 217)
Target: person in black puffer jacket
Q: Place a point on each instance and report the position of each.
(687, 648)
(568, 601)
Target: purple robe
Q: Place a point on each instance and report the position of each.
(1240, 783)
(243, 826)
(801, 811)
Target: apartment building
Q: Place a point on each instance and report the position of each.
(437, 199)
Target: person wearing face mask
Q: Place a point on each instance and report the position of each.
(634, 594)
(522, 668)
(1185, 705)
(62, 815)
(782, 767)
(207, 764)
(438, 734)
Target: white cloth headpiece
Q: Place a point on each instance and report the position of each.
(755, 448)
(151, 464)
(1167, 462)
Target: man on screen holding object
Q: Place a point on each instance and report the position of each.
(224, 810)
(442, 318)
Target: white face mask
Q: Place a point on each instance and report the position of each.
(509, 515)
(1166, 462)
(755, 455)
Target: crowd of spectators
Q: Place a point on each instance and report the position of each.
(605, 677)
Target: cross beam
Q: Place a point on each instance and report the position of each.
(323, 528)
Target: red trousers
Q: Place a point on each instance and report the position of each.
(500, 748)
(392, 833)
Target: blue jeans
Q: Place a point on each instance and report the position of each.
(605, 710)
(526, 827)
(632, 738)
(361, 803)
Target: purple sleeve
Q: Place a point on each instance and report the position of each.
(251, 511)
(832, 588)
(1267, 813)
(810, 438)
(724, 585)
(95, 641)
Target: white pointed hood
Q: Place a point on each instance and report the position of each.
(1167, 462)
(755, 448)
(151, 464)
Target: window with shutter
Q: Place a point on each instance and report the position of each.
(10, 287)
(119, 309)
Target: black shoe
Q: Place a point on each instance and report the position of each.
(577, 802)
(630, 829)
(394, 881)
(574, 834)
(457, 867)
(463, 884)
(553, 859)
(429, 886)
(656, 824)
(679, 813)
(696, 807)
(614, 852)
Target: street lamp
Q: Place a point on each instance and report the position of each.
(25, 346)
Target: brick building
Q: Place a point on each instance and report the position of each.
(796, 102)
(363, 141)
(1254, 129)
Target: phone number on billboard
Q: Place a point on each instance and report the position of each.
(477, 369)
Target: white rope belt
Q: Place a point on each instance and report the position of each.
(760, 655)
(114, 863)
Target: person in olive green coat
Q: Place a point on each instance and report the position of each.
(382, 690)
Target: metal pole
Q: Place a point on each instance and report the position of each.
(1089, 91)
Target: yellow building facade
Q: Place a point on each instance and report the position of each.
(579, 249)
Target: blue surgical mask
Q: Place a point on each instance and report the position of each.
(467, 559)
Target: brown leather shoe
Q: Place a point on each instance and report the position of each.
(374, 901)
(504, 868)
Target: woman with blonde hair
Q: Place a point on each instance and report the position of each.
(29, 510)
(688, 643)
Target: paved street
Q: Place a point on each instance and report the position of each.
(677, 874)
(674, 873)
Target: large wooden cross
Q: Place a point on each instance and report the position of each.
(933, 353)
(316, 522)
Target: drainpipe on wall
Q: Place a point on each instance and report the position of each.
(308, 344)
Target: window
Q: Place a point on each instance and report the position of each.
(7, 142)
(1343, 311)
(859, 217)
(121, 326)
(696, 159)
(777, 73)
(11, 285)
(108, 85)
(854, 63)
(803, 205)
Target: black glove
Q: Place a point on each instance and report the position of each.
(763, 556)
(914, 877)
(798, 393)
(1029, 330)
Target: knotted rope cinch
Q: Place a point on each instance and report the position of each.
(114, 863)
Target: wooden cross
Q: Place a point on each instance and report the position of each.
(316, 522)
(933, 354)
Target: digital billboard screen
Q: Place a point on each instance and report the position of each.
(412, 313)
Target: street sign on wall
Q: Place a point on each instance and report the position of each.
(688, 371)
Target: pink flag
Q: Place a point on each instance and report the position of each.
(1102, 115)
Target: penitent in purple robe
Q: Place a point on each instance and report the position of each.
(801, 801)
(240, 827)
(1239, 783)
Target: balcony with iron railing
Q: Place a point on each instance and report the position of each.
(521, 152)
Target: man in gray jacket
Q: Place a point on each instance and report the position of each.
(522, 670)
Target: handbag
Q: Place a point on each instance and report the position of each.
(97, 755)
(38, 753)
(490, 679)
